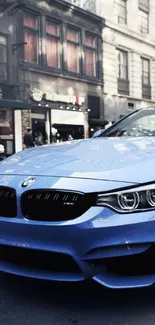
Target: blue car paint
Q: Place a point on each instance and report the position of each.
(94, 165)
(118, 159)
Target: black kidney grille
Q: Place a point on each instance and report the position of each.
(8, 202)
(50, 205)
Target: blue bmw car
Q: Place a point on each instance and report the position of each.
(83, 209)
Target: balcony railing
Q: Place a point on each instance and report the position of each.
(8, 73)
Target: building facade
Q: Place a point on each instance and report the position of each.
(61, 62)
(128, 54)
(11, 105)
(56, 50)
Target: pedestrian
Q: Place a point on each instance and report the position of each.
(28, 139)
(39, 139)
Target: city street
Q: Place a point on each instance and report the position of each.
(26, 302)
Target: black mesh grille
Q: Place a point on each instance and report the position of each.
(51, 205)
(131, 265)
(37, 259)
(8, 202)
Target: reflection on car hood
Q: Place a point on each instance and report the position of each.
(119, 159)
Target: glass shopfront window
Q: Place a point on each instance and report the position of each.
(66, 125)
(7, 130)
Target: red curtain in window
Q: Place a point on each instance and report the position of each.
(31, 48)
(72, 58)
(90, 63)
(51, 29)
(72, 35)
(30, 21)
(89, 41)
(72, 51)
(52, 52)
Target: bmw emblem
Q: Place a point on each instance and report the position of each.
(28, 182)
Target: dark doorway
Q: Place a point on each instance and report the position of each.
(39, 126)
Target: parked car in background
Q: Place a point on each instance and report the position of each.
(83, 209)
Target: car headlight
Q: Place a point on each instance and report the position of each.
(138, 199)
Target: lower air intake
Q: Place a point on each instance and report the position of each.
(37, 259)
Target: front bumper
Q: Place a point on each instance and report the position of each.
(99, 237)
(101, 244)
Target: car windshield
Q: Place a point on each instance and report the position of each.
(138, 124)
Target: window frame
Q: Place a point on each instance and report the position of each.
(78, 44)
(146, 88)
(127, 65)
(119, 5)
(143, 6)
(59, 38)
(40, 30)
(143, 71)
(122, 83)
(36, 32)
(142, 30)
(95, 50)
(7, 58)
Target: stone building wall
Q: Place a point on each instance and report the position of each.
(26, 120)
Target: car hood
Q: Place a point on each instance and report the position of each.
(123, 159)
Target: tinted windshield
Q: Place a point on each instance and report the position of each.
(138, 124)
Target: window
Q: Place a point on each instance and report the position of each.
(120, 11)
(90, 55)
(122, 64)
(53, 44)
(145, 72)
(144, 5)
(138, 124)
(31, 37)
(143, 22)
(146, 88)
(122, 72)
(72, 53)
(3, 58)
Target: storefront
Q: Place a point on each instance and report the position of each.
(58, 117)
(69, 124)
(11, 120)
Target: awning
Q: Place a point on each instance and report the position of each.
(16, 104)
(97, 122)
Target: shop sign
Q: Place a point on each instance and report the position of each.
(37, 95)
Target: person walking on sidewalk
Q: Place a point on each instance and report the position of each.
(28, 139)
